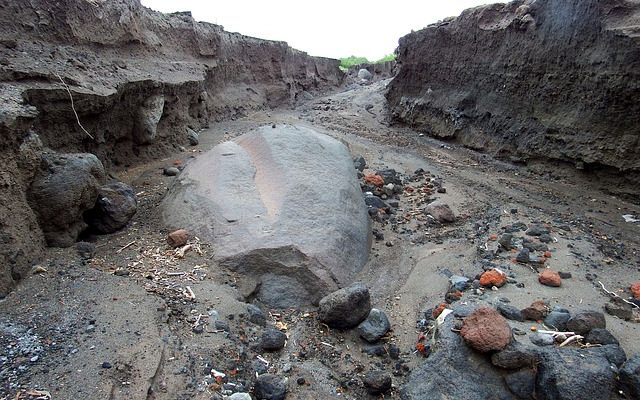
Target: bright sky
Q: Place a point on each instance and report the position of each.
(328, 28)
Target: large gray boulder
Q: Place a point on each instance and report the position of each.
(282, 206)
(65, 186)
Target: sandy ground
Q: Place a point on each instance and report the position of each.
(121, 325)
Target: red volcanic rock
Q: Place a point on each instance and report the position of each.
(486, 330)
(550, 278)
(493, 277)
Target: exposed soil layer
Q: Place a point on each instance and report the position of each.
(138, 78)
(528, 81)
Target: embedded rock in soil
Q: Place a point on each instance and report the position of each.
(510, 312)
(65, 186)
(178, 238)
(147, 118)
(557, 320)
(116, 205)
(550, 278)
(270, 387)
(601, 336)
(377, 382)
(536, 311)
(440, 212)
(281, 206)
(486, 330)
(273, 340)
(345, 308)
(584, 321)
(493, 277)
(375, 326)
(490, 78)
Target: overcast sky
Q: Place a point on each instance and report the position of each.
(329, 28)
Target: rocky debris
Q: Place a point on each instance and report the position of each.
(377, 382)
(114, 208)
(256, 315)
(276, 228)
(619, 308)
(375, 180)
(550, 278)
(270, 387)
(192, 137)
(601, 336)
(86, 250)
(557, 319)
(536, 311)
(65, 186)
(457, 282)
(147, 118)
(345, 308)
(630, 377)
(171, 171)
(375, 326)
(178, 238)
(456, 98)
(541, 339)
(240, 396)
(364, 74)
(272, 340)
(440, 212)
(505, 241)
(493, 277)
(583, 322)
(537, 230)
(359, 163)
(510, 312)
(523, 256)
(486, 330)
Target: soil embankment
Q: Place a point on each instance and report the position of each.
(139, 79)
(545, 80)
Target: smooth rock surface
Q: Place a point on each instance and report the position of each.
(345, 308)
(375, 326)
(281, 205)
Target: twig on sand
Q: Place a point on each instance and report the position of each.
(73, 107)
(613, 294)
(126, 246)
